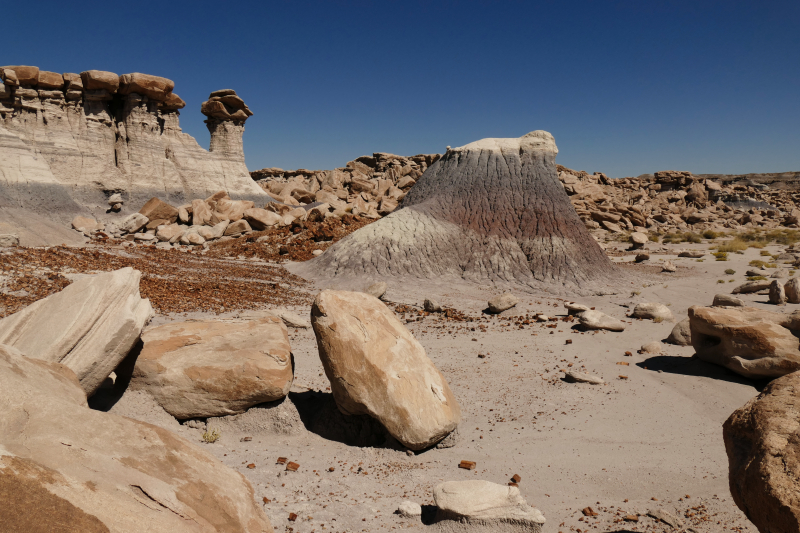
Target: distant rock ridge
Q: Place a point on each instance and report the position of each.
(69, 142)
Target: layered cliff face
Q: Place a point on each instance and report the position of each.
(68, 142)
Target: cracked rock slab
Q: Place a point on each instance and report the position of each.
(90, 326)
(477, 505)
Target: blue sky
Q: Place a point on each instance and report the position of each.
(626, 87)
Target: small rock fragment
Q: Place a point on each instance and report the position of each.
(432, 306)
(409, 509)
(582, 377)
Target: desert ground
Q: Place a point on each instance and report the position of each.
(648, 439)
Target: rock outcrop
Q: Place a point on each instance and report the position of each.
(747, 340)
(678, 201)
(70, 142)
(90, 326)
(376, 367)
(208, 368)
(762, 440)
(478, 505)
(491, 211)
(65, 467)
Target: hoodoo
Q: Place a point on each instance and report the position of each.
(492, 211)
(69, 142)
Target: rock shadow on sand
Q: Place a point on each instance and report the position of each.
(694, 366)
(320, 415)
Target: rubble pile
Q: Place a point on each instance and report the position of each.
(670, 201)
(370, 186)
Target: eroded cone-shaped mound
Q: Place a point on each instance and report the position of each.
(492, 210)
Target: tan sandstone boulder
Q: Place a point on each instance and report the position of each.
(484, 505)
(652, 311)
(747, 340)
(156, 209)
(26, 75)
(597, 320)
(90, 326)
(154, 87)
(762, 440)
(376, 367)
(261, 219)
(50, 80)
(65, 467)
(792, 291)
(86, 224)
(100, 80)
(215, 367)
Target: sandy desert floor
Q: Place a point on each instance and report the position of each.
(648, 439)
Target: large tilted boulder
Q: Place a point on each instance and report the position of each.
(376, 367)
(65, 467)
(476, 505)
(90, 326)
(747, 340)
(490, 211)
(213, 367)
(762, 440)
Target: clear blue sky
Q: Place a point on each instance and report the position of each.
(626, 87)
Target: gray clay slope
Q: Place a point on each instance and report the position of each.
(492, 211)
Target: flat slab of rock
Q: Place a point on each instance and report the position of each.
(501, 303)
(198, 369)
(752, 286)
(582, 377)
(762, 440)
(726, 300)
(576, 308)
(597, 320)
(747, 340)
(94, 472)
(483, 503)
(376, 367)
(90, 326)
(694, 254)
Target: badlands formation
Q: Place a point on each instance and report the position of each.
(477, 341)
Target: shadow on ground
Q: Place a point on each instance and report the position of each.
(319, 415)
(694, 366)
